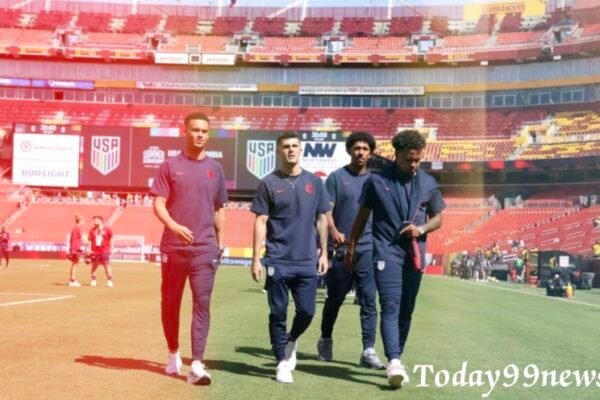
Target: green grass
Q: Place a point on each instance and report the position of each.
(108, 343)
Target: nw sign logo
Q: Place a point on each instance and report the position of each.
(319, 150)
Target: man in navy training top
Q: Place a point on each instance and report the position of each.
(4, 240)
(406, 203)
(344, 187)
(189, 193)
(75, 250)
(100, 238)
(288, 204)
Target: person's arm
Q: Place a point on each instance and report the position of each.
(220, 228)
(322, 224)
(260, 234)
(433, 223)
(338, 237)
(161, 212)
(357, 229)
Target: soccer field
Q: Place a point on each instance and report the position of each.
(62, 343)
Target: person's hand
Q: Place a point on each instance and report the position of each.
(410, 231)
(183, 233)
(338, 237)
(323, 265)
(256, 270)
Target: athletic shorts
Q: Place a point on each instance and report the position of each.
(103, 258)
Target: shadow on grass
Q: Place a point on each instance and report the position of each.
(338, 370)
(237, 368)
(126, 364)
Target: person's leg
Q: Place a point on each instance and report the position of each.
(277, 296)
(202, 279)
(388, 278)
(364, 276)
(304, 292)
(366, 292)
(339, 283)
(7, 257)
(174, 271)
(107, 268)
(411, 282)
(95, 265)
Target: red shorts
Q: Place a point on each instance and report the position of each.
(100, 258)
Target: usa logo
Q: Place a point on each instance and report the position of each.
(106, 153)
(260, 157)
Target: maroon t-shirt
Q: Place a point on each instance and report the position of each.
(75, 242)
(194, 189)
(100, 240)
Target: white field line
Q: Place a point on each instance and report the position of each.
(15, 303)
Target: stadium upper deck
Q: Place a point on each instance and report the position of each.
(197, 35)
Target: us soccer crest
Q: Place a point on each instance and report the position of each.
(106, 153)
(260, 157)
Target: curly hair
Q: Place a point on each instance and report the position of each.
(408, 140)
(360, 137)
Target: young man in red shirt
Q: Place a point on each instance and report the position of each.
(100, 239)
(75, 250)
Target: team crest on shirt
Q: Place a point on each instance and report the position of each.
(270, 271)
(164, 258)
(309, 188)
(106, 153)
(260, 157)
(210, 174)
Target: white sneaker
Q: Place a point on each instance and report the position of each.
(174, 364)
(93, 283)
(198, 374)
(284, 372)
(290, 353)
(396, 373)
(74, 284)
(110, 284)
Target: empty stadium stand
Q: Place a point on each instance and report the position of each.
(224, 26)
(213, 44)
(182, 24)
(93, 22)
(140, 23)
(51, 20)
(10, 18)
(51, 222)
(404, 26)
(269, 26)
(357, 26)
(314, 26)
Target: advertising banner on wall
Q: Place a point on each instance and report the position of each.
(256, 157)
(149, 151)
(105, 156)
(323, 152)
(46, 160)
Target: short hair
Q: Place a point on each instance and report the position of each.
(408, 140)
(78, 217)
(360, 137)
(287, 135)
(195, 115)
(98, 217)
